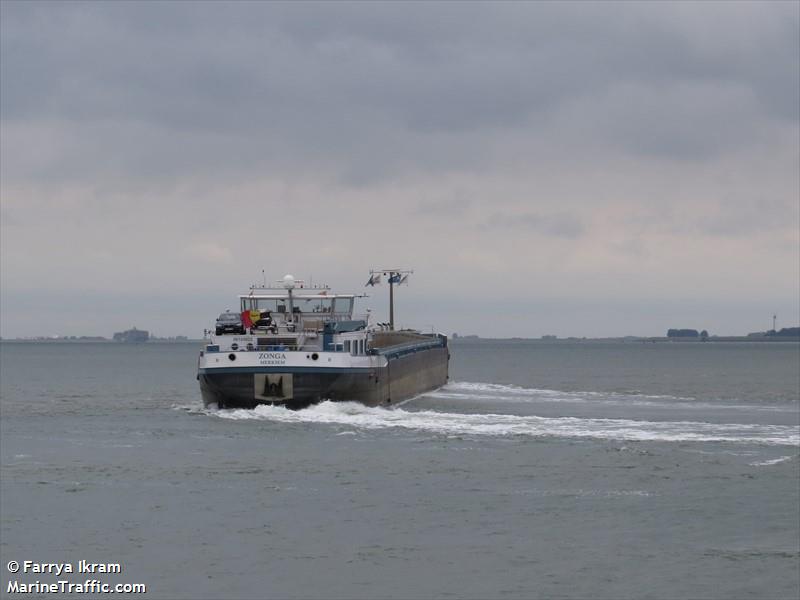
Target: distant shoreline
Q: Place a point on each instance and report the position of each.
(88, 340)
(633, 339)
(457, 340)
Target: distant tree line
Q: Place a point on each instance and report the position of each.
(786, 332)
(703, 335)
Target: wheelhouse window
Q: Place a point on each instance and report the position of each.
(264, 304)
(343, 306)
(316, 305)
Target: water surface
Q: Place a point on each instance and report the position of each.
(542, 470)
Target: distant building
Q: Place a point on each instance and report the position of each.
(132, 336)
(683, 333)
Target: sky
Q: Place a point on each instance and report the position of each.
(571, 169)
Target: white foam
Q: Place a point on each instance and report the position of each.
(449, 424)
(466, 390)
(769, 463)
(195, 408)
(523, 391)
(584, 493)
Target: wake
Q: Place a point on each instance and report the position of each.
(360, 417)
(511, 393)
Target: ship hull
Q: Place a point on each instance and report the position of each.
(402, 375)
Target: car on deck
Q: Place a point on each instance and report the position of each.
(230, 322)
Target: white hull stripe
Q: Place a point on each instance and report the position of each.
(309, 370)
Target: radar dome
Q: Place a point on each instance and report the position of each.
(288, 282)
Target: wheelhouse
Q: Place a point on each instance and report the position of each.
(297, 307)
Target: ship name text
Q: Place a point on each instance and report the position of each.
(272, 358)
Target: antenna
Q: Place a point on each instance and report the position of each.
(774, 318)
(395, 276)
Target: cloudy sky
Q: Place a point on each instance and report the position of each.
(583, 169)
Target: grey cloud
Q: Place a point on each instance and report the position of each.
(646, 133)
(452, 208)
(729, 216)
(686, 121)
(556, 224)
(758, 217)
(370, 90)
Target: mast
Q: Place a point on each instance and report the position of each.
(395, 276)
(391, 303)
(288, 283)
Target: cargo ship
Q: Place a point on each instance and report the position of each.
(304, 344)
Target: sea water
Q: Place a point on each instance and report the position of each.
(544, 469)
